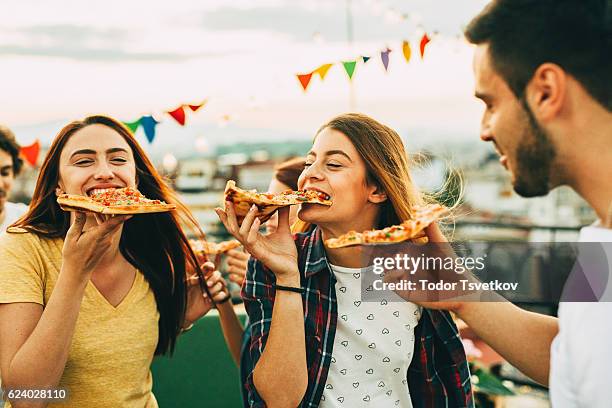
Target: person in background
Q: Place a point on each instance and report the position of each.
(10, 166)
(543, 69)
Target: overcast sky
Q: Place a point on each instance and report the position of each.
(64, 59)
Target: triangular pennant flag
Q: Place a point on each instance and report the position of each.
(179, 115)
(194, 108)
(322, 70)
(133, 126)
(349, 67)
(406, 50)
(424, 41)
(30, 153)
(384, 56)
(365, 59)
(304, 80)
(148, 125)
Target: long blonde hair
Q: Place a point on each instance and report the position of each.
(386, 161)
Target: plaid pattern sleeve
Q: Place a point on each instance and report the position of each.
(258, 297)
(439, 375)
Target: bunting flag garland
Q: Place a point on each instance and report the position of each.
(133, 126)
(406, 50)
(148, 124)
(322, 70)
(194, 108)
(31, 152)
(424, 41)
(304, 80)
(384, 56)
(349, 67)
(179, 115)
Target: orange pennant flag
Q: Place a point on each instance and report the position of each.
(179, 115)
(30, 153)
(424, 41)
(322, 70)
(304, 80)
(194, 108)
(406, 50)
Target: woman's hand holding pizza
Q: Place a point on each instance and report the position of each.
(83, 250)
(198, 302)
(277, 251)
(237, 263)
(437, 247)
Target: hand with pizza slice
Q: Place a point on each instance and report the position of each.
(237, 265)
(198, 302)
(245, 212)
(277, 250)
(268, 203)
(84, 248)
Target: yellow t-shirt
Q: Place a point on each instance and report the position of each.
(112, 348)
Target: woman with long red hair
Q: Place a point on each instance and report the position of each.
(87, 300)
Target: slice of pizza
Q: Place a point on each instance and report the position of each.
(412, 229)
(268, 203)
(113, 201)
(349, 239)
(213, 248)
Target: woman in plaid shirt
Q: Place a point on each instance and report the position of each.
(313, 342)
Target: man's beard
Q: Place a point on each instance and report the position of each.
(535, 155)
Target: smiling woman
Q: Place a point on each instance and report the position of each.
(303, 299)
(93, 292)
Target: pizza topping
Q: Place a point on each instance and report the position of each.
(411, 229)
(121, 197)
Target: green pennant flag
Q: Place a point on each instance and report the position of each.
(349, 67)
(133, 126)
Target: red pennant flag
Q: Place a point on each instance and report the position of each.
(424, 41)
(179, 115)
(304, 80)
(30, 153)
(194, 108)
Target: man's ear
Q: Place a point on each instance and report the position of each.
(546, 91)
(377, 195)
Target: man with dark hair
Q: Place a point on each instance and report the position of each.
(543, 69)
(10, 166)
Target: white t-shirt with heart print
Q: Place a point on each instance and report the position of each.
(373, 348)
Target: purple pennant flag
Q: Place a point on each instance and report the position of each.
(384, 56)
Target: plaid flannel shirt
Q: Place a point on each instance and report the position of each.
(438, 375)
